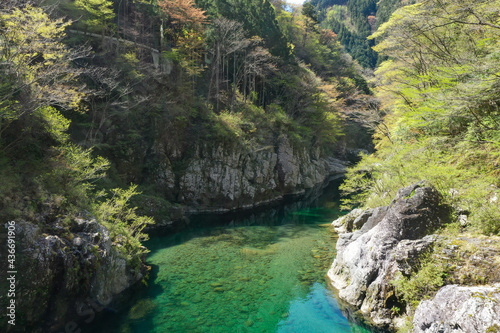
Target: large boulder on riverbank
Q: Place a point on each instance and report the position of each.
(457, 309)
(67, 272)
(390, 240)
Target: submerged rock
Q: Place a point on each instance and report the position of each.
(457, 309)
(390, 240)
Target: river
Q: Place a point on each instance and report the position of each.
(259, 271)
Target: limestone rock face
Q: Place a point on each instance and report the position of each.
(67, 270)
(228, 177)
(457, 309)
(388, 240)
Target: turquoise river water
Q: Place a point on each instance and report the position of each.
(263, 271)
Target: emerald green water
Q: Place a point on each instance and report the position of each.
(259, 273)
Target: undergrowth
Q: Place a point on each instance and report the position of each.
(430, 275)
(466, 174)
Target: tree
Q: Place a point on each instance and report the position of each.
(226, 37)
(235, 58)
(183, 14)
(186, 29)
(36, 67)
(124, 225)
(309, 11)
(258, 18)
(442, 75)
(100, 14)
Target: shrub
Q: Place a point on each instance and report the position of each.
(460, 172)
(424, 283)
(124, 225)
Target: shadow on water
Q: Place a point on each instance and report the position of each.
(319, 204)
(250, 271)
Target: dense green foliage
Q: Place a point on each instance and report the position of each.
(353, 21)
(124, 225)
(258, 18)
(439, 121)
(426, 280)
(45, 177)
(439, 89)
(89, 106)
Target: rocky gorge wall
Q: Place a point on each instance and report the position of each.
(225, 177)
(72, 271)
(375, 246)
(66, 277)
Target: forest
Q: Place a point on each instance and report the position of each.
(88, 86)
(438, 117)
(354, 21)
(104, 106)
(438, 121)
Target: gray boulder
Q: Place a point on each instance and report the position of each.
(76, 266)
(457, 309)
(389, 240)
(346, 223)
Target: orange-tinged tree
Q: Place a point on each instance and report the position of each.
(184, 14)
(186, 30)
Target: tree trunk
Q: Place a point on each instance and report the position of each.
(217, 77)
(234, 82)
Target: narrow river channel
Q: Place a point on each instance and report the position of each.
(260, 271)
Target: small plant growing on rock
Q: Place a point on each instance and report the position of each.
(422, 284)
(124, 225)
(395, 310)
(493, 329)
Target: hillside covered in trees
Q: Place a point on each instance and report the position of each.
(439, 122)
(90, 87)
(353, 21)
(110, 105)
(438, 118)
(116, 116)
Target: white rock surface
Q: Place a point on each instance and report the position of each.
(457, 309)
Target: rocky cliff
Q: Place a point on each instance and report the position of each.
(222, 177)
(71, 269)
(70, 274)
(389, 239)
(378, 246)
